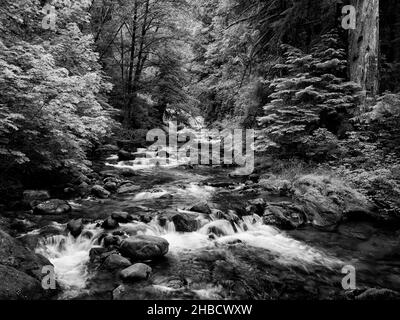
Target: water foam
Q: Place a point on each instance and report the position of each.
(70, 257)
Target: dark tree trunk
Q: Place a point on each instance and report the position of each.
(138, 70)
(128, 108)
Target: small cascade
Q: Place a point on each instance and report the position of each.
(147, 159)
(218, 228)
(250, 231)
(70, 257)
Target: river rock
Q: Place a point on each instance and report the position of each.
(284, 215)
(220, 228)
(125, 155)
(109, 174)
(138, 271)
(22, 226)
(128, 188)
(99, 192)
(114, 179)
(201, 207)
(256, 206)
(52, 207)
(110, 224)
(127, 172)
(111, 241)
(184, 222)
(75, 227)
(275, 185)
(83, 189)
(87, 234)
(98, 254)
(111, 186)
(31, 240)
(122, 217)
(230, 216)
(115, 261)
(107, 149)
(15, 255)
(217, 214)
(17, 285)
(143, 247)
(254, 177)
(119, 292)
(378, 294)
(326, 201)
(33, 197)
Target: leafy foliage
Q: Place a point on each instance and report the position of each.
(143, 48)
(51, 109)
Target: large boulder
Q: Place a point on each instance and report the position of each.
(143, 247)
(110, 241)
(201, 207)
(75, 227)
(33, 197)
(138, 271)
(184, 222)
(52, 207)
(98, 254)
(127, 172)
(110, 224)
(15, 255)
(275, 185)
(100, 192)
(284, 215)
(121, 217)
(83, 189)
(128, 188)
(17, 285)
(115, 262)
(326, 201)
(256, 206)
(111, 186)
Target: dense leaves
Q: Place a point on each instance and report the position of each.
(51, 110)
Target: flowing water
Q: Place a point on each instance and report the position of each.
(175, 187)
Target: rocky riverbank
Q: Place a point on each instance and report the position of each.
(198, 233)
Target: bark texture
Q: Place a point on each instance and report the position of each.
(364, 46)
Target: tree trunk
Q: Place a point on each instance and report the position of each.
(133, 47)
(128, 107)
(138, 70)
(364, 46)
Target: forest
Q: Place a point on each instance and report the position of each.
(84, 194)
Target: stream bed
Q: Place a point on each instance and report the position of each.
(238, 258)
